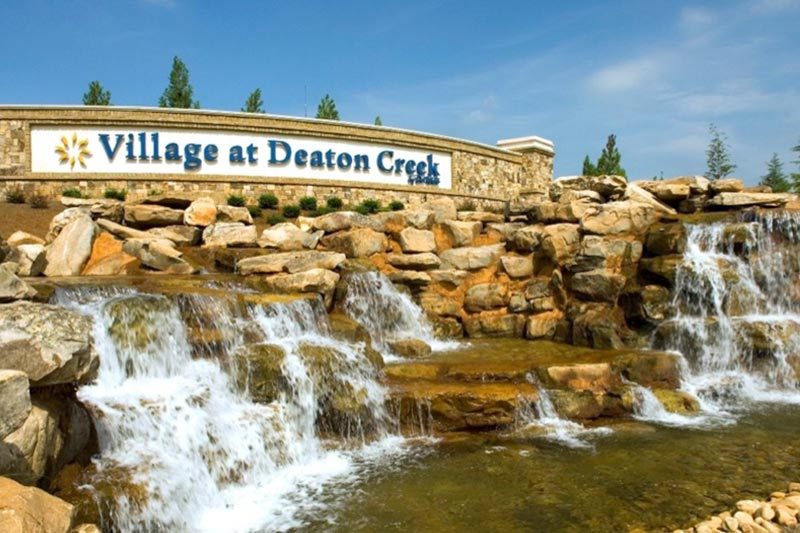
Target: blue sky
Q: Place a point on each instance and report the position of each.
(654, 72)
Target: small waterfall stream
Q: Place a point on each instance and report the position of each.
(175, 419)
(737, 311)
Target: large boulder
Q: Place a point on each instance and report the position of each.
(229, 234)
(666, 239)
(410, 348)
(560, 241)
(598, 285)
(618, 254)
(291, 262)
(31, 510)
(108, 258)
(607, 186)
(471, 258)
(31, 258)
(151, 216)
(15, 400)
(358, 242)
(122, 232)
(736, 200)
(61, 220)
(419, 218)
(412, 278)
(316, 280)
(70, 251)
(180, 235)
(725, 185)
(18, 238)
(505, 230)
(344, 220)
(173, 199)
(492, 324)
(599, 326)
(288, 237)
(673, 190)
(229, 213)
(461, 233)
(11, 287)
(259, 371)
(561, 211)
(544, 325)
(98, 207)
(528, 238)
(635, 193)
(619, 217)
(485, 296)
(443, 209)
(52, 345)
(480, 216)
(413, 240)
(158, 254)
(516, 266)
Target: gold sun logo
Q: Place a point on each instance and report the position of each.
(73, 152)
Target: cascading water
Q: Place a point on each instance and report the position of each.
(737, 311)
(389, 315)
(173, 417)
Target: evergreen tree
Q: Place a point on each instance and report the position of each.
(327, 109)
(796, 175)
(775, 177)
(719, 161)
(96, 95)
(254, 103)
(608, 164)
(179, 92)
(588, 167)
(378, 121)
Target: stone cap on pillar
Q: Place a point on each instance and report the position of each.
(527, 144)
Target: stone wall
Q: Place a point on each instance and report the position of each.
(489, 176)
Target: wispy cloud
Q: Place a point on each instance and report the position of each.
(628, 75)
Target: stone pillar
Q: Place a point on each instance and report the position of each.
(537, 164)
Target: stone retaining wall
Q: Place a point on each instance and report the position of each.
(489, 176)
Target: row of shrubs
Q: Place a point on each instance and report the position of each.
(307, 204)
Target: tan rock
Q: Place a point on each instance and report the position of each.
(637, 194)
(31, 258)
(471, 258)
(517, 267)
(449, 276)
(52, 345)
(443, 209)
(725, 185)
(34, 447)
(560, 241)
(480, 216)
(180, 235)
(316, 280)
(229, 234)
(158, 254)
(70, 251)
(437, 304)
(669, 190)
(123, 232)
(62, 219)
(229, 213)
(607, 186)
(358, 242)
(15, 399)
(151, 216)
(288, 237)
(31, 510)
(411, 348)
(461, 233)
(419, 218)
(291, 262)
(528, 238)
(748, 199)
(18, 238)
(412, 278)
(201, 213)
(543, 325)
(423, 261)
(505, 230)
(595, 377)
(490, 324)
(485, 296)
(414, 240)
(597, 285)
(344, 220)
(619, 217)
(173, 199)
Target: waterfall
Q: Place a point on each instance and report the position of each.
(737, 311)
(174, 417)
(388, 314)
(544, 415)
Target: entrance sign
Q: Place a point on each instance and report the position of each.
(114, 150)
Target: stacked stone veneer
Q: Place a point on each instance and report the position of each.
(483, 175)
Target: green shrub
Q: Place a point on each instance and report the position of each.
(268, 201)
(72, 192)
(15, 196)
(308, 203)
(115, 194)
(254, 210)
(371, 205)
(323, 210)
(38, 201)
(361, 208)
(334, 202)
(396, 205)
(291, 211)
(275, 218)
(236, 200)
(155, 192)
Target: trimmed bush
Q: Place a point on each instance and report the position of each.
(72, 192)
(236, 200)
(15, 196)
(38, 201)
(334, 202)
(291, 211)
(154, 192)
(308, 203)
(254, 210)
(361, 208)
(115, 194)
(396, 205)
(275, 219)
(371, 205)
(268, 201)
(321, 211)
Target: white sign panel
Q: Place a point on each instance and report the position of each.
(117, 151)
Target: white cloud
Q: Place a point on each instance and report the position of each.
(695, 18)
(625, 76)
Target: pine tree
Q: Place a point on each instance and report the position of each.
(719, 161)
(327, 109)
(179, 92)
(378, 121)
(96, 95)
(588, 167)
(609, 162)
(796, 175)
(775, 177)
(254, 103)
